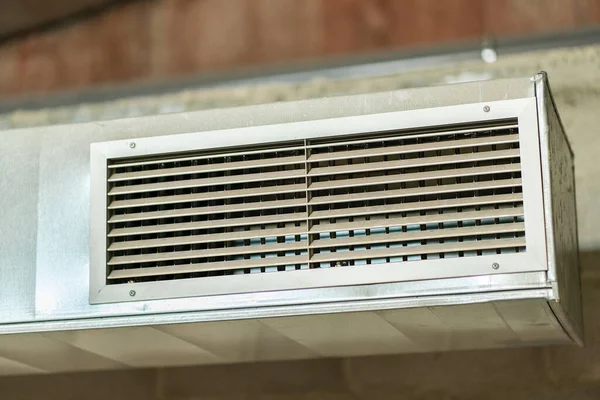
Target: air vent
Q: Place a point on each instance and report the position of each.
(390, 197)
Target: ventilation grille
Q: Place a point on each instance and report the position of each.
(356, 200)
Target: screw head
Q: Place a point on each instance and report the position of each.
(132, 293)
(486, 108)
(132, 145)
(495, 265)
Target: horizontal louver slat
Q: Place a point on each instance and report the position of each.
(416, 176)
(418, 191)
(206, 196)
(414, 162)
(383, 151)
(420, 134)
(207, 253)
(208, 224)
(416, 206)
(211, 238)
(326, 226)
(428, 249)
(209, 155)
(205, 169)
(228, 208)
(419, 235)
(205, 267)
(218, 181)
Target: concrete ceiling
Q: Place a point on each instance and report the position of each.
(17, 16)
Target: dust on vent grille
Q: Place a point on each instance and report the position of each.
(355, 200)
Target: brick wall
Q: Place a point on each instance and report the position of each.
(163, 39)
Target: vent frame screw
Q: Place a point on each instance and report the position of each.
(495, 265)
(132, 293)
(132, 145)
(486, 108)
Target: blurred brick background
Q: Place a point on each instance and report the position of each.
(139, 41)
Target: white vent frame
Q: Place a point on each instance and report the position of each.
(534, 259)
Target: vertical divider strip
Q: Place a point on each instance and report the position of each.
(308, 207)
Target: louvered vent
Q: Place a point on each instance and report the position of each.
(355, 200)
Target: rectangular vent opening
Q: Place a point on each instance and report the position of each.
(389, 197)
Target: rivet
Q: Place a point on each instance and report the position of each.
(486, 108)
(495, 265)
(132, 145)
(132, 293)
